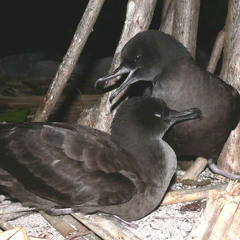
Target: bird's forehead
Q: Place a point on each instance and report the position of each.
(152, 105)
(136, 46)
(132, 49)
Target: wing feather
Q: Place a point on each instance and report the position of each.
(68, 164)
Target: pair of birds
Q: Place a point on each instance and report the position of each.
(62, 168)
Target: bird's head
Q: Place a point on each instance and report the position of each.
(148, 116)
(144, 57)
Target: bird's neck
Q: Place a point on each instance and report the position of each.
(153, 156)
(178, 82)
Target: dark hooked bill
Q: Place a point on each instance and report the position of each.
(118, 72)
(189, 114)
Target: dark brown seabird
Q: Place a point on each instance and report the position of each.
(176, 78)
(63, 168)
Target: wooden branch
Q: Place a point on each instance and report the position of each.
(231, 41)
(5, 226)
(216, 52)
(230, 156)
(233, 231)
(185, 23)
(165, 8)
(195, 170)
(70, 59)
(225, 218)
(204, 225)
(227, 40)
(138, 18)
(180, 19)
(220, 216)
(167, 16)
(58, 223)
(188, 195)
(67, 225)
(18, 233)
(105, 228)
(234, 58)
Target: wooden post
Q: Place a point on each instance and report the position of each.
(70, 60)
(138, 18)
(220, 217)
(185, 23)
(230, 156)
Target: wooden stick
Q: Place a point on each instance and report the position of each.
(233, 232)
(106, 229)
(185, 23)
(225, 218)
(204, 225)
(232, 199)
(138, 18)
(216, 52)
(67, 225)
(196, 169)
(5, 226)
(70, 59)
(167, 16)
(220, 216)
(57, 222)
(18, 233)
(189, 195)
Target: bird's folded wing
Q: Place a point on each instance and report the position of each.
(66, 164)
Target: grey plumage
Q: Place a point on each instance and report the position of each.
(62, 168)
(177, 79)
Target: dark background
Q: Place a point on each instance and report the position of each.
(48, 26)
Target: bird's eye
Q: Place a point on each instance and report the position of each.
(159, 115)
(138, 58)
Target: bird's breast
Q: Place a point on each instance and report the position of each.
(218, 106)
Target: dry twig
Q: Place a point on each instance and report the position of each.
(188, 195)
(70, 59)
(106, 229)
(220, 217)
(216, 52)
(196, 169)
(138, 18)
